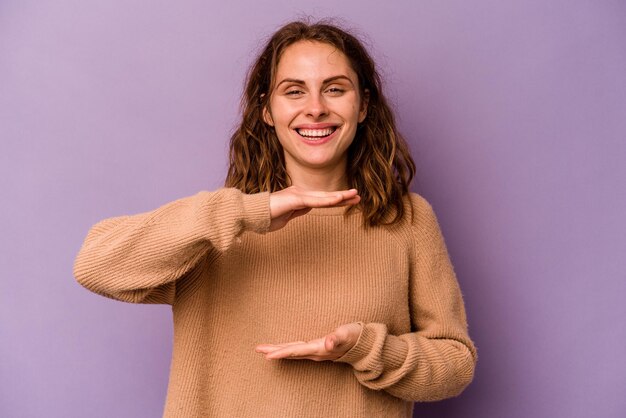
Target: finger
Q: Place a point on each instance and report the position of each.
(320, 201)
(346, 194)
(292, 199)
(289, 355)
(313, 358)
(349, 202)
(338, 194)
(294, 351)
(329, 200)
(273, 347)
(266, 350)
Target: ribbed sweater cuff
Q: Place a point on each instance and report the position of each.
(256, 212)
(374, 349)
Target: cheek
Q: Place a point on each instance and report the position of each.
(351, 111)
(283, 134)
(356, 113)
(351, 134)
(283, 113)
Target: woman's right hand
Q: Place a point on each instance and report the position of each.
(292, 202)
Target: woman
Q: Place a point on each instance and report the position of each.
(290, 263)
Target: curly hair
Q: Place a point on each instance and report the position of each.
(379, 164)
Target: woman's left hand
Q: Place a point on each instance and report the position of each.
(330, 347)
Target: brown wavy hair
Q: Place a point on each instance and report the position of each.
(379, 164)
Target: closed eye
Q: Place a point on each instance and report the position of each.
(335, 91)
(294, 92)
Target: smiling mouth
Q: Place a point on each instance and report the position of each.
(316, 134)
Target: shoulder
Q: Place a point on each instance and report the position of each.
(419, 212)
(418, 221)
(418, 202)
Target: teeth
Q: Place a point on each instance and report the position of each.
(316, 133)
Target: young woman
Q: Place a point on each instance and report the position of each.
(314, 250)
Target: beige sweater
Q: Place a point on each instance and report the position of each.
(232, 286)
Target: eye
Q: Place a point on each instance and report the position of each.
(294, 92)
(335, 91)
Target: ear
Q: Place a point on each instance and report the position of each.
(364, 102)
(267, 115)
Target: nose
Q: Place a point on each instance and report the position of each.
(316, 106)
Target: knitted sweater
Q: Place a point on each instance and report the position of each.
(232, 286)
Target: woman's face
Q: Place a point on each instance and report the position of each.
(315, 107)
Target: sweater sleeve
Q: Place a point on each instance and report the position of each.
(436, 360)
(139, 258)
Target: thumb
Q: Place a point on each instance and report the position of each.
(299, 212)
(330, 342)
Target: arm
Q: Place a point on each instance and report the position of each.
(434, 362)
(437, 360)
(139, 258)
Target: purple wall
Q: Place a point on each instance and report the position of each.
(516, 112)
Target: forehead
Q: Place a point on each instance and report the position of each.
(312, 60)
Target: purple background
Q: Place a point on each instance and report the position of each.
(516, 114)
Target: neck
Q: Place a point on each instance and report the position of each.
(324, 180)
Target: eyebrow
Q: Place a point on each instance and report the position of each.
(328, 80)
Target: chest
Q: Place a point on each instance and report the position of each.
(321, 277)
